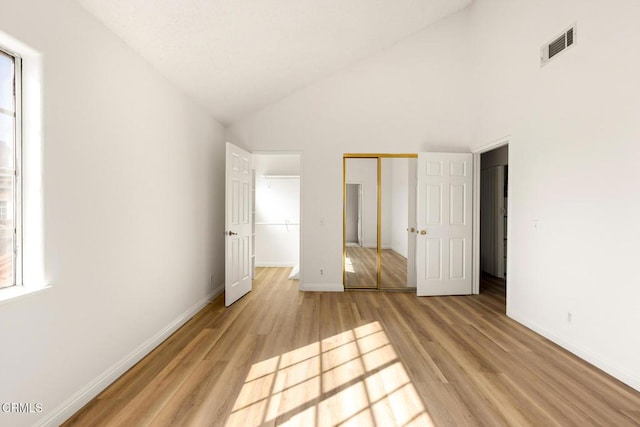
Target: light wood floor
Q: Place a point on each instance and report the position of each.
(362, 270)
(283, 357)
(361, 267)
(394, 270)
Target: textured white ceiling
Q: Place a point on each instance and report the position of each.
(237, 56)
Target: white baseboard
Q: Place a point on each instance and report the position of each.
(215, 293)
(586, 355)
(325, 287)
(375, 246)
(74, 403)
(274, 264)
(397, 252)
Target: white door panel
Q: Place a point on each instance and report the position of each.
(237, 224)
(445, 229)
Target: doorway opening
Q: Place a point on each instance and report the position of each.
(277, 211)
(494, 179)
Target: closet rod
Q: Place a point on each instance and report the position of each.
(281, 176)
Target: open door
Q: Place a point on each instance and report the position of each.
(445, 232)
(237, 224)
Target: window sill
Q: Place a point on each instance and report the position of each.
(16, 292)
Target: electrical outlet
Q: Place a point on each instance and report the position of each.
(321, 271)
(569, 317)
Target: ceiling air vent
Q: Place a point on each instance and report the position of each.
(559, 44)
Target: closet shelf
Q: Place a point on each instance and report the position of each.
(277, 223)
(281, 176)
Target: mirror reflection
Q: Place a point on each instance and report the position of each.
(361, 223)
(380, 221)
(398, 223)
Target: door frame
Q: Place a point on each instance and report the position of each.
(300, 249)
(477, 154)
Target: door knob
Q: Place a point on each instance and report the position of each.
(231, 233)
(423, 232)
(411, 230)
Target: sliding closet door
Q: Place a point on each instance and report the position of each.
(398, 223)
(379, 221)
(361, 223)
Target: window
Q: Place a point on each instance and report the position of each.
(9, 162)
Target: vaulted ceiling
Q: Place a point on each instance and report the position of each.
(237, 56)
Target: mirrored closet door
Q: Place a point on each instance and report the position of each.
(361, 223)
(398, 223)
(379, 221)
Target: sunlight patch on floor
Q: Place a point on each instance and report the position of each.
(348, 265)
(352, 378)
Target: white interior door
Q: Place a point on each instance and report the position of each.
(445, 232)
(237, 224)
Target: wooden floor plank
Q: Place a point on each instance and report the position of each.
(279, 356)
(363, 269)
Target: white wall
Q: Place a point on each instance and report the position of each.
(277, 210)
(573, 155)
(411, 97)
(133, 187)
